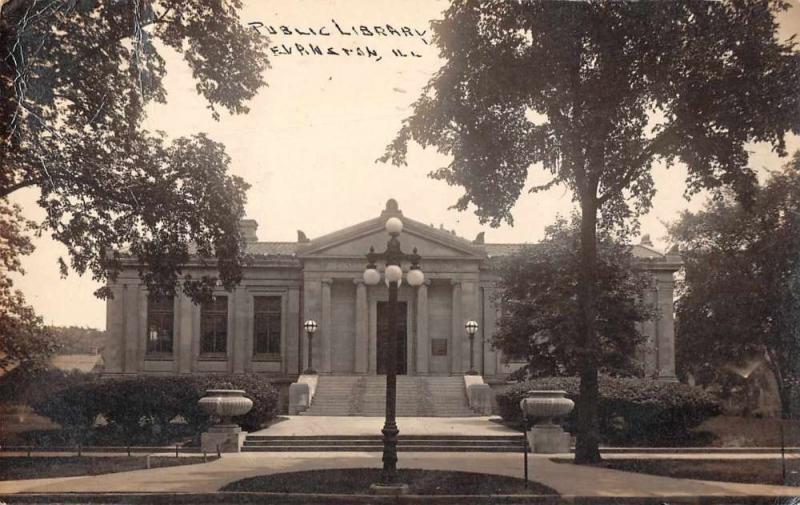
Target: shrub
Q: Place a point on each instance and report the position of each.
(141, 410)
(28, 386)
(631, 410)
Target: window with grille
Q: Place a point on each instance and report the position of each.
(214, 326)
(160, 324)
(267, 326)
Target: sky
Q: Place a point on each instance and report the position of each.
(309, 145)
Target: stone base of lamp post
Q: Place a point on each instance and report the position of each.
(548, 439)
(223, 438)
(389, 489)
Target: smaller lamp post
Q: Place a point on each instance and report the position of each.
(472, 329)
(310, 327)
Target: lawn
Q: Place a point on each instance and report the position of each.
(734, 431)
(753, 471)
(359, 480)
(40, 467)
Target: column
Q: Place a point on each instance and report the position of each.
(649, 330)
(185, 332)
(469, 311)
(326, 327)
(423, 338)
(292, 335)
(131, 301)
(361, 327)
(666, 328)
(456, 332)
(114, 350)
(242, 344)
(489, 361)
(312, 309)
(141, 334)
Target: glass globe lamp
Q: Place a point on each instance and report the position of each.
(393, 273)
(371, 276)
(310, 326)
(394, 225)
(415, 277)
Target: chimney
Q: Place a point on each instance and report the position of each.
(646, 240)
(248, 228)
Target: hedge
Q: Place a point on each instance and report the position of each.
(631, 410)
(144, 410)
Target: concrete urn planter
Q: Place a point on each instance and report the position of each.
(547, 437)
(224, 404)
(546, 405)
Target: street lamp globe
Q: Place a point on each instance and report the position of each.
(394, 225)
(471, 327)
(371, 276)
(393, 273)
(415, 277)
(310, 326)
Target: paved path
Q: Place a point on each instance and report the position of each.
(356, 425)
(564, 478)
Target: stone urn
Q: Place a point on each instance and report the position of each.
(546, 405)
(546, 437)
(224, 404)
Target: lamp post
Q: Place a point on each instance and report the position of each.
(310, 327)
(472, 329)
(393, 256)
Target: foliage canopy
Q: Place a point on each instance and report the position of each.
(75, 80)
(538, 294)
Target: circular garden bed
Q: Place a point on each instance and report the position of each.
(359, 480)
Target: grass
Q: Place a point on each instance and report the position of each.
(735, 431)
(40, 467)
(359, 480)
(751, 471)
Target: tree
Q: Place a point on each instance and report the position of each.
(24, 341)
(595, 93)
(740, 295)
(75, 79)
(540, 311)
(77, 339)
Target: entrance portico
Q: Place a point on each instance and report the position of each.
(350, 312)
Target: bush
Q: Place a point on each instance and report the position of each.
(142, 410)
(631, 410)
(27, 386)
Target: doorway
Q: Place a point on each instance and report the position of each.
(382, 337)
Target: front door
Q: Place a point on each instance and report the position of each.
(383, 337)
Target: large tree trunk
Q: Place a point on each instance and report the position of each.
(587, 445)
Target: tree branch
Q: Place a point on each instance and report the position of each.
(4, 192)
(648, 152)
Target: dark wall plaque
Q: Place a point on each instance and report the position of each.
(439, 346)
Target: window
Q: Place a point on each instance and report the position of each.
(160, 324)
(214, 326)
(267, 326)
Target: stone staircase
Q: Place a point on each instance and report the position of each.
(366, 443)
(365, 395)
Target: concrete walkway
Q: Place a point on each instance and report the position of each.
(564, 478)
(293, 426)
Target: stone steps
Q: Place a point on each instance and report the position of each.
(366, 396)
(362, 443)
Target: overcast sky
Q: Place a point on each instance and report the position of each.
(309, 144)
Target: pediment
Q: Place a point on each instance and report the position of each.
(354, 242)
